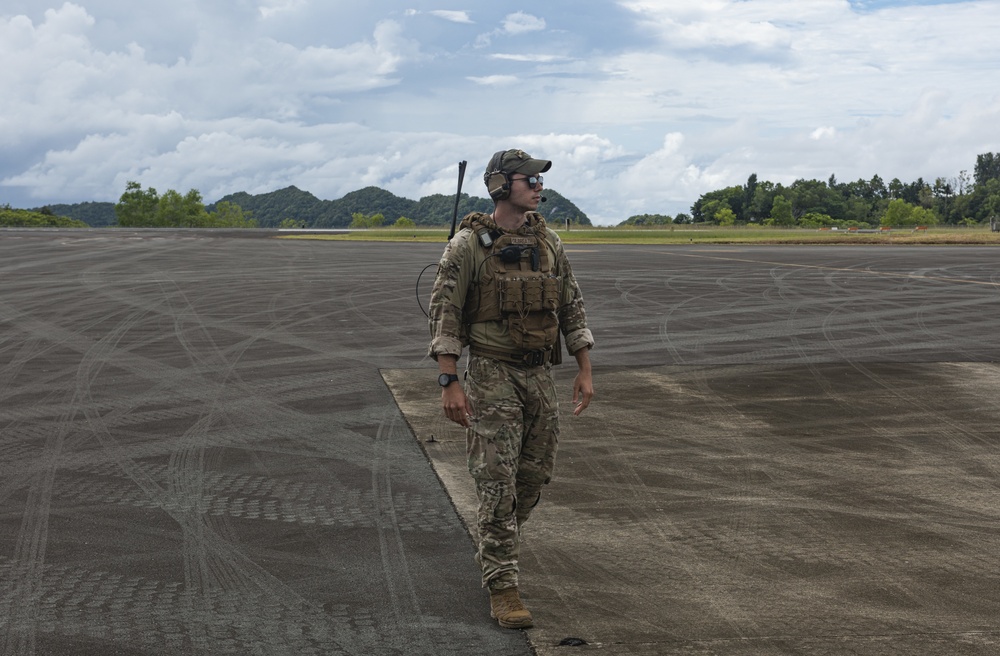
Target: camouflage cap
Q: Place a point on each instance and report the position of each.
(516, 161)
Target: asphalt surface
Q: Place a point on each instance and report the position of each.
(224, 443)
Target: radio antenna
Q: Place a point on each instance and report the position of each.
(458, 197)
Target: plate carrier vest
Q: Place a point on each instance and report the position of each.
(516, 284)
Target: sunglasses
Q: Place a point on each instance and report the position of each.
(533, 181)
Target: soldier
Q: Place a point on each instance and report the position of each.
(505, 289)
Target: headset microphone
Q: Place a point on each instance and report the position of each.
(544, 199)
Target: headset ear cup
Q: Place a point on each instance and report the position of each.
(498, 186)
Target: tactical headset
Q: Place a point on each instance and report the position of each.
(497, 180)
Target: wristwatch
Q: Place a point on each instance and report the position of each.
(444, 380)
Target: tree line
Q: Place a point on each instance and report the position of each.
(145, 208)
(43, 218)
(962, 200)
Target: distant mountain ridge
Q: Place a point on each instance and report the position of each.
(270, 209)
(95, 215)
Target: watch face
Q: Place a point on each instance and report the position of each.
(444, 380)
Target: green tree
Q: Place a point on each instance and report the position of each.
(781, 212)
(403, 222)
(895, 188)
(816, 197)
(898, 213)
(901, 213)
(725, 217)
(10, 218)
(858, 210)
(176, 211)
(878, 187)
(706, 207)
(987, 168)
(992, 204)
(137, 207)
(646, 220)
(230, 215)
(924, 216)
(749, 192)
(145, 208)
(362, 220)
(816, 220)
(760, 205)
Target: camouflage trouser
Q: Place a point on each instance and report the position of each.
(512, 449)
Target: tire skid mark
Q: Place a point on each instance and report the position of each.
(211, 572)
(308, 432)
(244, 326)
(739, 463)
(11, 447)
(666, 338)
(878, 288)
(679, 542)
(217, 560)
(901, 589)
(30, 544)
(29, 555)
(143, 368)
(958, 431)
(371, 324)
(257, 498)
(212, 559)
(137, 610)
(743, 521)
(34, 338)
(298, 387)
(396, 575)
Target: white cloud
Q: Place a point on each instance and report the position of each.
(56, 81)
(453, 16)
(681, 99)
(520, 23)
(495, 80)
(515, 24)
(272, 8)
(537, 59)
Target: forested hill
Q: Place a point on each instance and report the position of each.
(95, 215)
(272, 208)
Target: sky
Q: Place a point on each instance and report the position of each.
(642, 105)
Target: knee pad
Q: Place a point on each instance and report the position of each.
(498, 498)
(526, 501)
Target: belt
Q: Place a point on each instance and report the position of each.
(520, 358)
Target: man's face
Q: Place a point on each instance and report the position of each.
(522, 196)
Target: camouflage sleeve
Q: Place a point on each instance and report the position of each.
(572, 315)
(448, 335)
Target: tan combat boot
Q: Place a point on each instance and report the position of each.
(507, 609)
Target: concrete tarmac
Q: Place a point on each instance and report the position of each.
(224, 443)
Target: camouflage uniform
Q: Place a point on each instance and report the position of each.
(512, 441)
